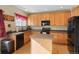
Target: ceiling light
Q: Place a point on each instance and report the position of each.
(61, 6)
(45, 9)
(26, 9)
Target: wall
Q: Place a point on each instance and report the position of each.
(12, 28)
(11, 10)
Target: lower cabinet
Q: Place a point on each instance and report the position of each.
(60, 49)
(27, 37)
(54, 49)
(20, 39)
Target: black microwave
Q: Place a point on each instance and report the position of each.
(45, 23)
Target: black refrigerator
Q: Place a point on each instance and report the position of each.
(73, 35)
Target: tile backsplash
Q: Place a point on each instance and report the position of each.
(52, 27)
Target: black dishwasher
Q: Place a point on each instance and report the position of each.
(19, 40)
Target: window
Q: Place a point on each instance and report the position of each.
(20, 20)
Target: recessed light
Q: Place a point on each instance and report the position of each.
(45, 9)
(26, 9)
(61, 6)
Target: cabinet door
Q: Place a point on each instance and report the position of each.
(33, 20)
(26, 37)
(66, 17)
(57, 19)
(30, 20)
(60, 38)
(75, 11)
(60, 49)
(52, 20)
(42, 16)
(63, 49)
(61, 18)
(47, 16)
(37, 21)
(78, 11)
(55, 49)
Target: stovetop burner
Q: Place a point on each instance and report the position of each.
(45, 31)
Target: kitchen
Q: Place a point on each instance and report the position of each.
(37, 29)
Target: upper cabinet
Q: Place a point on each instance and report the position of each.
(75, 11)
(52, 19)
(33, 20)
(61, 18)
(57, 18)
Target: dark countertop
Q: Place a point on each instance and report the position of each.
(59, 30)
(53, 30)
(15, 32)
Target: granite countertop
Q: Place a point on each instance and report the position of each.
(43, 39)
(18, 33)
(41, 36)
(52, 28)
(15, 32)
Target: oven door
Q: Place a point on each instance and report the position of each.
(45, 31)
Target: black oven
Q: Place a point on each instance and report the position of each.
(45, 31)
(45, 27)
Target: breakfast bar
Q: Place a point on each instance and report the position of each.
(41, 44)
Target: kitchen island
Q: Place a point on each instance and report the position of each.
(41, 43)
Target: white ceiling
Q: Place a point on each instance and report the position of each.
(44, 8)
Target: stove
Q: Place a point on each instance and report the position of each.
(45, 31)
(45, 27)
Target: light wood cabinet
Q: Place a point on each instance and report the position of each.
(30, 20)
(60, 49)
(61, 18)
(66, 17)
(58, 18)
(27, 37)
(75, 11)
(59, 37)
(78, 11)
(59, 43)
(54, 49)
(52, 19)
